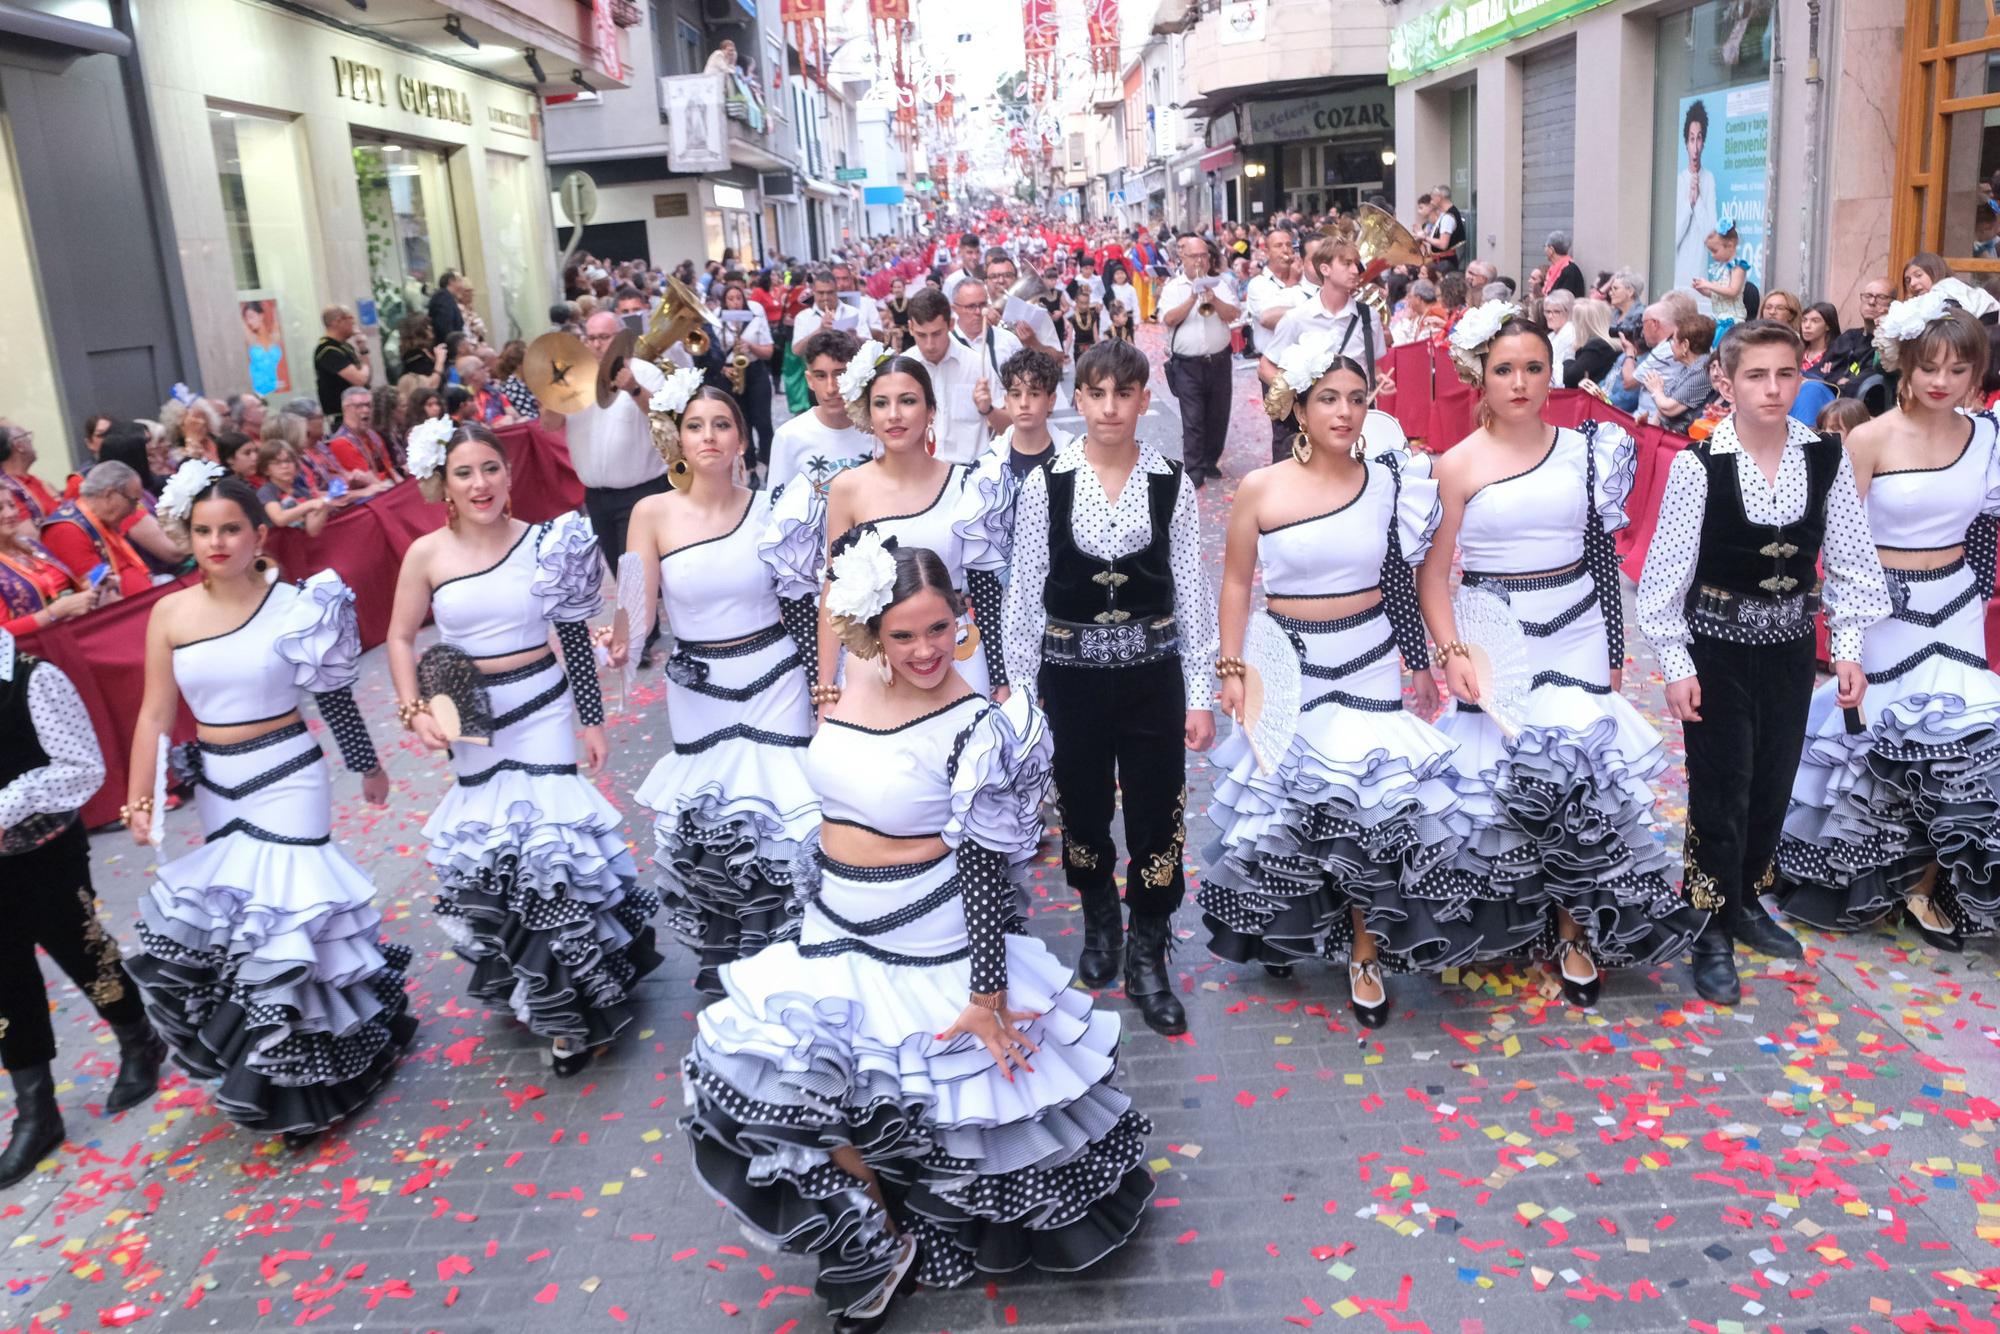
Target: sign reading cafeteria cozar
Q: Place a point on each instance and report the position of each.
(1459, 28)
(1361, 111)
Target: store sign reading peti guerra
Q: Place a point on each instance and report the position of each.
(359, 81)
(1456, 29)
(1359, 111)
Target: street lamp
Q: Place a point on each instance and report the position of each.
(1388, 157)
(1253, 169)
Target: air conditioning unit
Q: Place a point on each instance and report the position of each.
(779, 185)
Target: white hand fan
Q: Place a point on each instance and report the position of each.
(158, 834)
(633, 620)
(646, 375)
(1500, 665)
(1271, 687)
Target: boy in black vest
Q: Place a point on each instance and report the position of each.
(1108, 610)
(1727, 602)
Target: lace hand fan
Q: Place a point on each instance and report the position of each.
(1271, 685)
(633, 620)
(455, 693)
(1499, 654)
(158, 834)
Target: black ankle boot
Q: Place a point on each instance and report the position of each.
(1715, 979)
(1103, 938)
(38, 1124)
(140, 1052)
(1754, 930)
(1147, 979)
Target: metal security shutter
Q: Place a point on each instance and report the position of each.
(1548, 150)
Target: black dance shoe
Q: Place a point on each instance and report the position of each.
(1581, 992)
(1714, 969)
(298, 1141)
(1754, 930)
(38, 1124)
(1147, 979)
(1103, 938)
(1369, 1016)
(1281, 971)
(901, 1278)
(140, 1052)
(567, 1062)
(1950, 942)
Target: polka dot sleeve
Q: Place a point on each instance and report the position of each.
(580, 666)
(62, 726)
(1600, 551)
(800, 617)
(1399, 584)
(985, 890)
(350, 732)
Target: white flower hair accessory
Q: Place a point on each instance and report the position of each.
(1907, 320)
(1474, 333)
(862, 578)
(1298, 370)
(189, 480)
(677, 392)
(425, 445)
(860, 373)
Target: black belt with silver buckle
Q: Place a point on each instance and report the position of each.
(1744, 618)
(1126, 643)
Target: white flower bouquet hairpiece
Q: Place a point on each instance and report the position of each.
(424, 447)
(676, 391)
(861, 579)
(1474, 333)
(1907, 320)
(189, 480)
(860, 373)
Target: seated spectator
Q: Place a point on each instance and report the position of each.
(358, 447)
(1841, 416)
(191, 429)
(512, 387)
(318, 461)
(391, 422)
(36, 589)
(1422, 318)
(238, 453)
(422, 406)
(94, 427)
(1782, 307)
(1819, 326)
(17, 456)
(131, 443)
(1556, 308)
(288, 498)
(246, 414)
(459, 405)
(1590, 319)
(477, 380)
(1683, 389)
(86, 532)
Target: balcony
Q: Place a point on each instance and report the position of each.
(1303, 41)
(560, 32)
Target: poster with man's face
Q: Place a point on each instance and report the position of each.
(1724, 152)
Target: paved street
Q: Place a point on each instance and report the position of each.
(1818, 1158)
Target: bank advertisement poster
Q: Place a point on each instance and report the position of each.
(1724, 157)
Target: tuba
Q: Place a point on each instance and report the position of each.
(1384, 243)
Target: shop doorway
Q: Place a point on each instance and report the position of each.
(410, 223)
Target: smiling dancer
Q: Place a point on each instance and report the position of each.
(730, 801)
(1110, 619)
(1330, 853)
(1562, 810)
(913, 1092)
(260, 960)
(535, 887)
(1906, 813)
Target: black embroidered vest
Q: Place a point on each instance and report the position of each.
(1084, 588)
(1754, 560)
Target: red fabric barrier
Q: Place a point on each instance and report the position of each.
(1433, 404)
(544, 482)
(104, 653)
(364, 545)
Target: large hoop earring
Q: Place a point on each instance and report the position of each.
(882, 666)
(450, 513)
(679, 475)
(930, 447)
(1302, 449)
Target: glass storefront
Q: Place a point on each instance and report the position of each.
(730, 225)
(1464, 167)
(1318, 177)
(1711, 136)
(266, 204)
(409, 221)
(521, 298)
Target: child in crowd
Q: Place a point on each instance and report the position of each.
(1030, 380)
(460, 405)
(288, 497)
(239, 453)
(1841, 416)
(1121, 319)
(1723, 285)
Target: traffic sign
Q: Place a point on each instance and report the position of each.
(579, 198)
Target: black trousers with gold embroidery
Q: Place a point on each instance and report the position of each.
(1741, 759)
(51, 904)
(1121, 729)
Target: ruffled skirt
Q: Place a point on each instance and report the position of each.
(1357, 814)
(260, 961)
(535, 886)
(730, 801)
(1920, 785)
(832, 1042)
(1562, 812)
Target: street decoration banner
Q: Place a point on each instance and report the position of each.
(1460, 28)
(1724, 159)
(1039, 33)
(604, 41)
(805, 21)
(697, 127)
(1102, 22)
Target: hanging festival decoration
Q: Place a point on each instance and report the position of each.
(1102, 21)
(887, 18)
(805, 21)
(1040, 30)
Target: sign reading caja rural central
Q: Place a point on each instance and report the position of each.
(1459, 28)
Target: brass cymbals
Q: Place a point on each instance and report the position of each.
(561, 373)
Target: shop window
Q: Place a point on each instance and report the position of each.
(522, 295)
(1464, 164)
(267, 211)
(1711, 136)
(1948, 154)
(410, 224)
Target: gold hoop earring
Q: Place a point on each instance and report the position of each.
(450, 512)
(1302, 449)
(882, 666)
(679, 475)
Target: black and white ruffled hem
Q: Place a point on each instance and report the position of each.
(727, 891)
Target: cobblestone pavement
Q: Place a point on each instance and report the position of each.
(1816, 1158)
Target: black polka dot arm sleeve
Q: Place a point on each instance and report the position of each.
(1600, 553)
(580, 665)
(801, 620)
(1399, 587)
(350, 732)
(986, 890)
(989, 599)
(1982, 549)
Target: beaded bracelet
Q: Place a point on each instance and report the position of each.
(136, 806)
(826, 693)
(1228, 667)
(1454, 649)
(407, 711)
(995, 1001)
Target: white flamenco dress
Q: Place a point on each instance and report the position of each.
(1921, 783)
(730, 802)
(1562, 811)
(261, 964)
(832, 1041)
(535, 886)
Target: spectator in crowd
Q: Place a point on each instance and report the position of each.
(238, 453)
(1850, 356)
(1478, 274)
(1556, 308)
(36, 589)
(17, 457)
(338, 360)
(1453, 296)
(563, 318)
(288, 498)
(320, 465)
(423, 405)
(1625, 291)
(1819, 326)
(1495, 292)
(191, 428)
(358, 447)
(1562, 274)
(1924, 271)
(507, 373)
(88, 531)
(1841, 416)
(133, 444)
(447, 306)
(94, 427)
(460, 405)
(1422, 318)
(246, 415)
(1590, 333)
(420, 350)
(1681, 391)
(488, 401)
(1782, 307)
